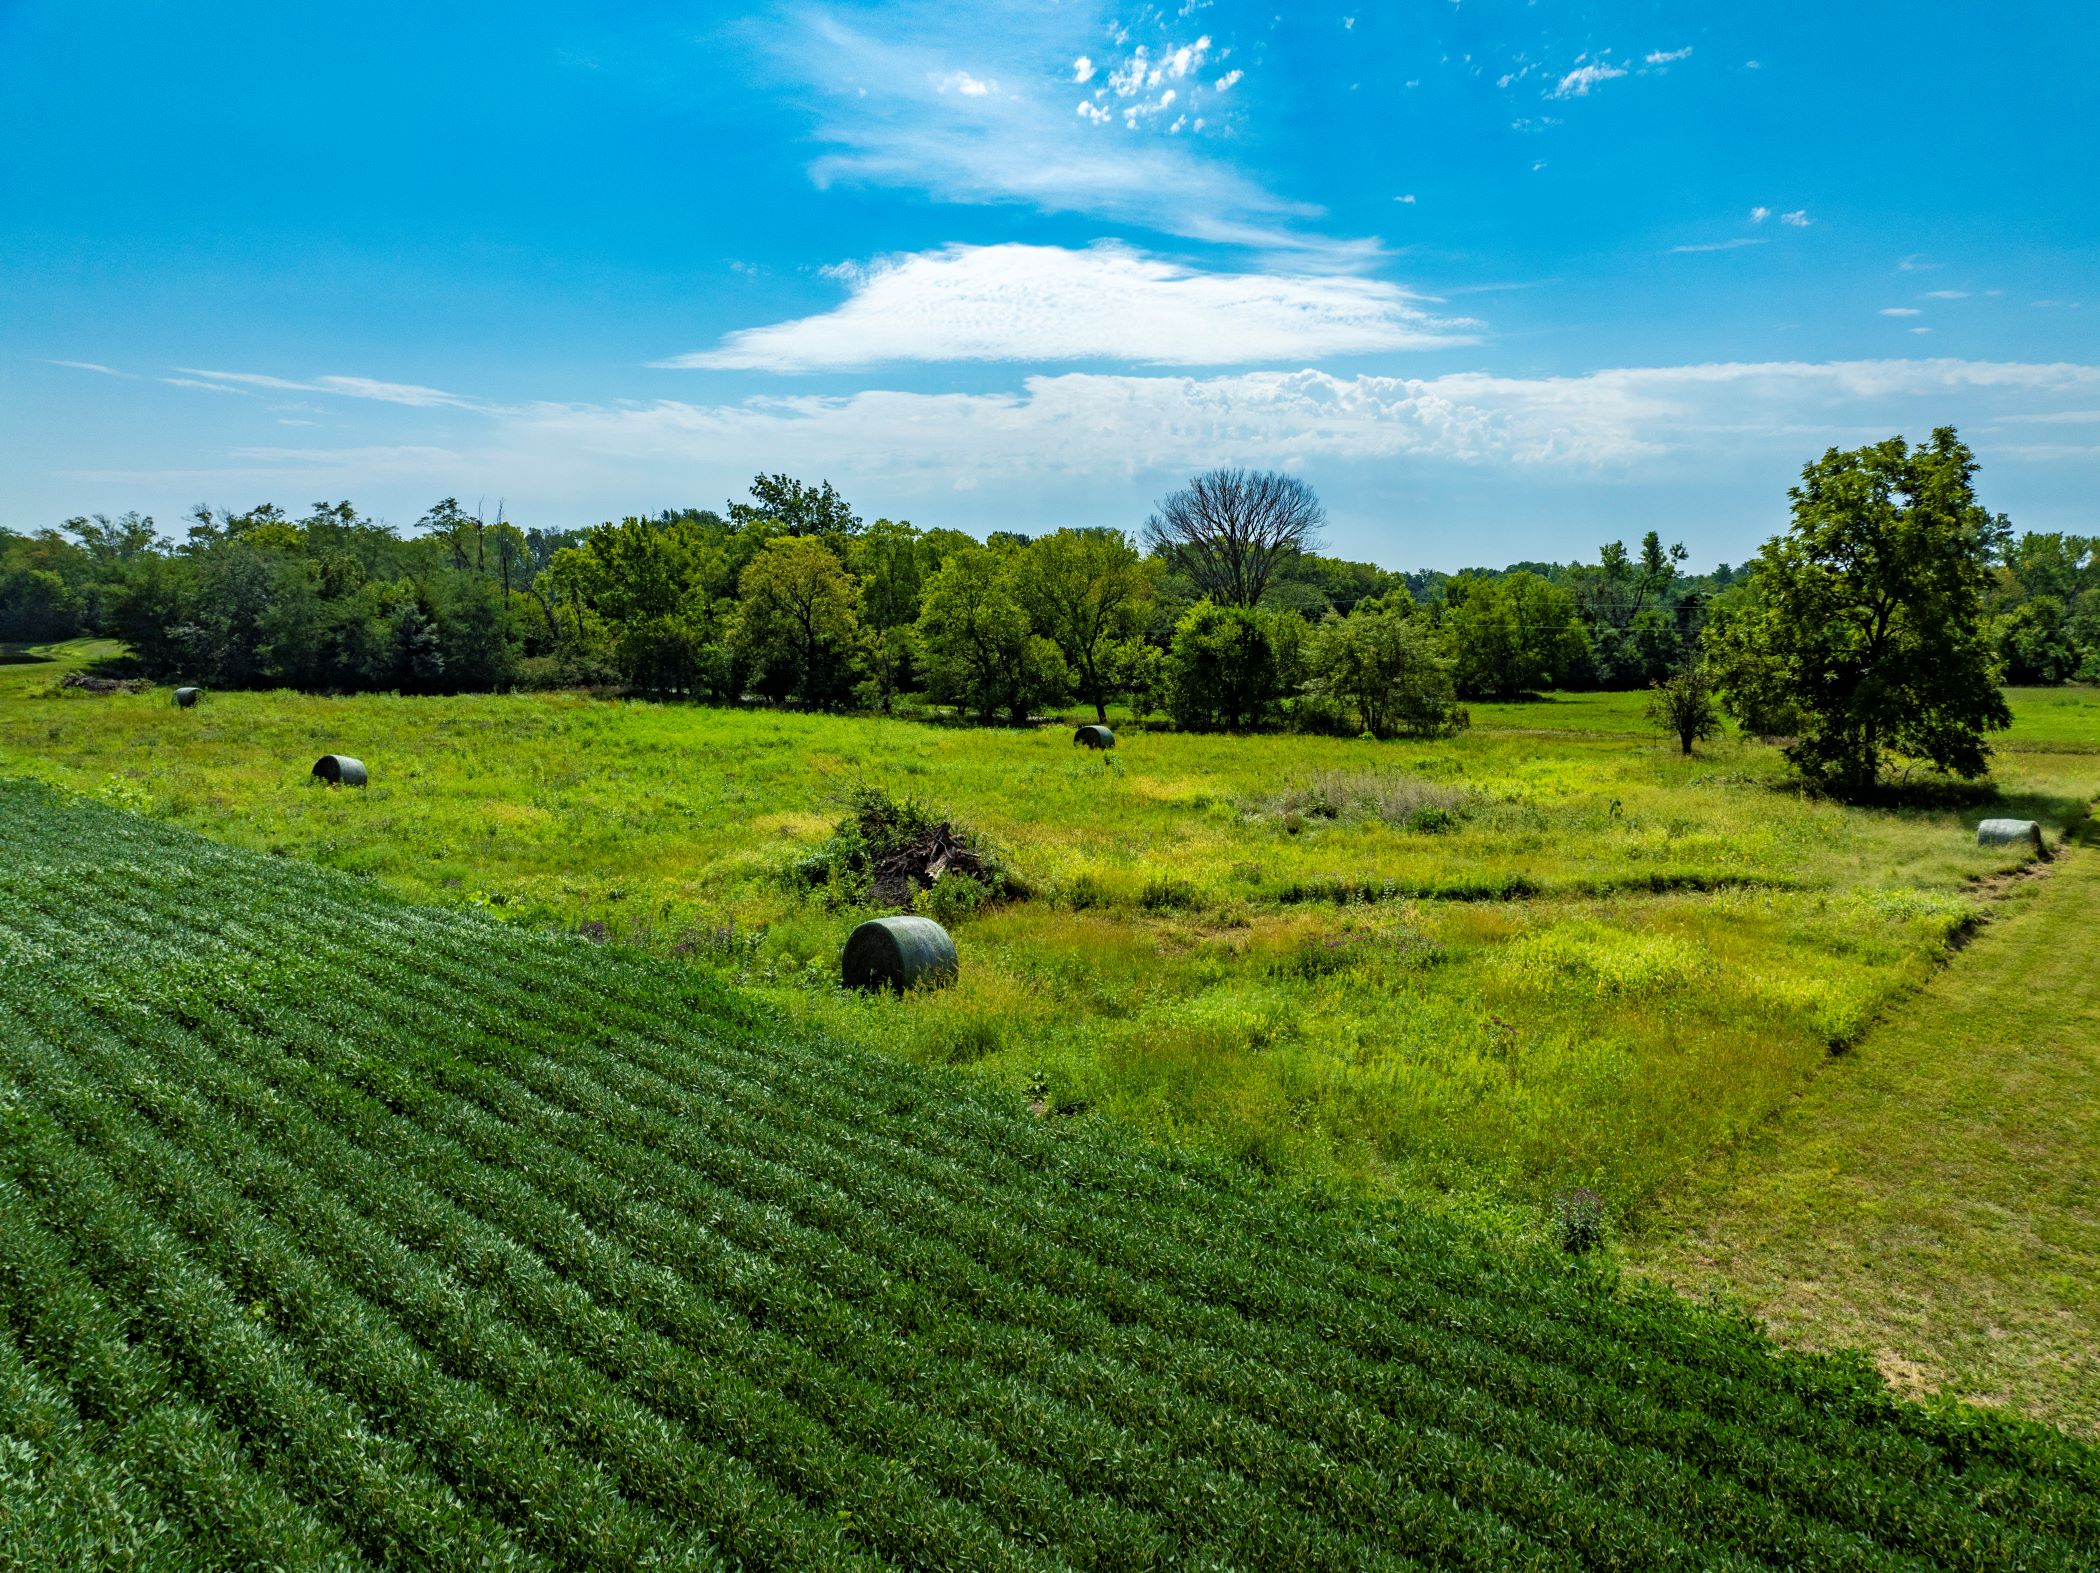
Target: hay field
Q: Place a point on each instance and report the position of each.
(340, 1232)
(1547, 953)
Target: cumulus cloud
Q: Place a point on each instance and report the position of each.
(1759, 214)
(1108, 302)
(964, 83)
(1799, 218)
(1228, 81)
(1664, 57)
(1089, 425)
(1082, 69)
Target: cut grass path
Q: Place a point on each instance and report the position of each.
(1938, 1203)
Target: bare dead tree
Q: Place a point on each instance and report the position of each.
(1229, 529)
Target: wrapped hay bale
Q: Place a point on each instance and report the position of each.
(2008, 832)
(340, 770)
(898, 953)
(1095, 737)
(186, 697)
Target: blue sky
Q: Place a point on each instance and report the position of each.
(1502, 280)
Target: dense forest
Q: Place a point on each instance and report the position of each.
(790, 596)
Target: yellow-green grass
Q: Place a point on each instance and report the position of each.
(1935, 1201)
(1613, 965)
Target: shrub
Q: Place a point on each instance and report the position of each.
(1578, 1220)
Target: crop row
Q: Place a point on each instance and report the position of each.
(417, 1236)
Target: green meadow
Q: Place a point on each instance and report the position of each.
(1547, 953)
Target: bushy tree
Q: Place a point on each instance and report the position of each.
(1682, 704)
(1511, 635)
(1869, 618)
(1390, 669)
(795, 624)
(977, 647)
(1087, 591)
(796, 509)
(2034, 642)
(1225, 667)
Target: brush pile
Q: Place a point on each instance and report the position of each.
(888, 849)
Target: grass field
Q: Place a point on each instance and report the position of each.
(1936, 1202)
(1606, 966)
(338, 1231)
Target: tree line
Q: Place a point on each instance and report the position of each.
(1220, 612)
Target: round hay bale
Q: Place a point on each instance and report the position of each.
(2006, 832)
(339, 770)
(898, 953)
(185, 697)
(1095, 737)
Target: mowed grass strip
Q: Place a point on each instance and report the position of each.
(1936, 1203)
(447, 1243)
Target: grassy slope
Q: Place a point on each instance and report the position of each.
(1937, 1201)
(335, 1230)
(1187, 964)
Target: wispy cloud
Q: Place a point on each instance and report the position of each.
(94, 366)
(408, 393)
(885, 120)
(1733, 244)
(1664, 57)
(1798, 219)
(1578, 82)
(1901, 311)
(1107, 302)
(1945, 294)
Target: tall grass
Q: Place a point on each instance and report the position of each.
(1481, 970)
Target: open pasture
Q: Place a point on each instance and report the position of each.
(1547, 953)
(337, 1231)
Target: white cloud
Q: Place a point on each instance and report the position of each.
(964, 83)
(1087, 424)
(1759, 214)
(1082, 424)
(1733, 244)
(1089, 110)
(1664, 57)
(1409, 199)
(1109, 302)
(1901, 311)
(94, 366)
(886, 122)
(408, 393)
(1578, 82)
(1228, 81)
(1082, 69)
(1945, 294)
(1799, 218)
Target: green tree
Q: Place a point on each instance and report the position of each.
(1224, 668)
(796, 623)
(797, 509)
(1087, 590)
(2034, 642)
(1870, 616)
(1389, 668)
(977, 646)
(1511, 634)
(1682, 704)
